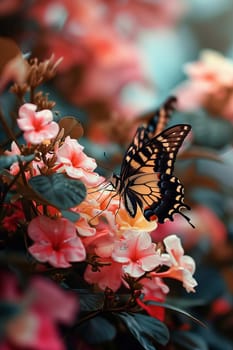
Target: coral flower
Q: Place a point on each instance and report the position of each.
(37, 126)
(14, 217)
(109, 276)
(76, 163)
(47, 295)
(137, 254)
(56, 241)
(181, 266)
(210, 85)
(138, 223)
(207, 227)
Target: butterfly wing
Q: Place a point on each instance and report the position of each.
(146, 173)
(158, 120)
(155, 124)
(171, 200)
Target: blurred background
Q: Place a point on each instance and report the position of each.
(121, 60)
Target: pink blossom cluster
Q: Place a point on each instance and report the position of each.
(117, 253)
(116, 247)
(39, 128)
(210, 85)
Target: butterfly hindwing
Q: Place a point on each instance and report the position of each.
(172, 200)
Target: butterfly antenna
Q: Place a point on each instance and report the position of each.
(97, 186)
(101, 211)
(119, 206)
(100, 165)
(188, 219)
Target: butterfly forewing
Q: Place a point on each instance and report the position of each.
(171, 140)
(156, 155)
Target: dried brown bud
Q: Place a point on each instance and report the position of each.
(42, 101)
(40, 72)
(19, 90)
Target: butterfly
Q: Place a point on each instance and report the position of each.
(146, 179)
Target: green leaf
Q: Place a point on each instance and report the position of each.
(98, 330)
(7, 312)
(189, 341)
(147, 330)
(7, 161)
(59, 190)
(184, 302)
(177, 309)
(89, 301)
(70, 215)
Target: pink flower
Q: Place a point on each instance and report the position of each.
(210, 85)
(110, 63)
(33, 330)
(14, 169)
(37, 126)
(138, 223)
(137, 254)
(102, 243)
(76, 163)
(14, 216)
(33, 168)
(109, 276)
(207, 226)
(154, 286)
(212, 68)
(83, 227)
(115, 62)
(47, 296)
(181, 267)
(56, 241)
(88, 211)
(152, 14)
(153, 290)
(14, 150)
(42, 305)
(9, 7)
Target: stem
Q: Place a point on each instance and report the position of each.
(7, 129)
(32, 94)
(26, 203)
(88, 317)
(22, 168)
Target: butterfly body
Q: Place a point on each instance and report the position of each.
(146, 179)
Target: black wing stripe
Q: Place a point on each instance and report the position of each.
(159, 119)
